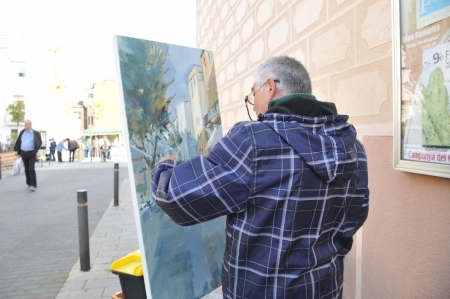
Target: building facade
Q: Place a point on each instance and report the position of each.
(401, 251)
(12, 88)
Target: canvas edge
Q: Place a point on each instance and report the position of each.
(130, 169)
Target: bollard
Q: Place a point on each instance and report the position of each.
(83, 230)
(116, 184)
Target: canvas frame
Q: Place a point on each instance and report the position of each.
(159, 254)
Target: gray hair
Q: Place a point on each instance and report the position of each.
(28, 121)
(293, 76)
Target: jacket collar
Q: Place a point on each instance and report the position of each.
(301, 104)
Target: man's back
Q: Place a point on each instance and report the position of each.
(307, 200)
(294, 190)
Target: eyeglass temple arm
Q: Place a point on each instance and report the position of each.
(246, 106)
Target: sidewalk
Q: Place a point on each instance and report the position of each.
(114, 237)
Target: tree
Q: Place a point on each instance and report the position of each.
(143, 66)
(17, 112)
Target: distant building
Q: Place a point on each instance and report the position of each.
(199, 104)
(186, 129)
(100, 109)
(13, 83)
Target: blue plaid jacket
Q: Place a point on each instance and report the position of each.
(294, 190)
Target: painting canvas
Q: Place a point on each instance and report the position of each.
(171, 106)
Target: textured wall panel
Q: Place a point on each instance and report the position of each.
(332, 48)
(241, 63)
(265, 11)
(241, 10)
(230, 71)
(374, 32)
(377, 95)
(377, 25)
(236, 92)
(257, 50)
(235, 43)
(279, 33)
(229, 26)
(248, 28)
(306, 14)
(362, 94)
(338, 6)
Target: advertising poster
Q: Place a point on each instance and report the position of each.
(170, 106)
(424, 49)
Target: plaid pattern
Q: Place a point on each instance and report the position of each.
(294, 190)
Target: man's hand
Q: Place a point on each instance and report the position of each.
(167, 157)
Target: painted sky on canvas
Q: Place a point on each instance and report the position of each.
(180, 70)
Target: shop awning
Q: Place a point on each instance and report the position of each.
(101, 131)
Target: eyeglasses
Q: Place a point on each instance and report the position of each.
(251, 95)
(250, 98)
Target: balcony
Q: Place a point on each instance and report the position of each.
(213, 116)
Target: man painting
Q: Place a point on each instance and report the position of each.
(293, 186)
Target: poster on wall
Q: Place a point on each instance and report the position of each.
(170, 106)
(421, 72)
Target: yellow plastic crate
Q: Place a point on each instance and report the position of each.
(130, 264)
(131, 275)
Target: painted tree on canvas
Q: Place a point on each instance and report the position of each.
(143, 67)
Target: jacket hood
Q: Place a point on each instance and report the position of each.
(326, 143)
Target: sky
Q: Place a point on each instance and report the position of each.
(83, 31)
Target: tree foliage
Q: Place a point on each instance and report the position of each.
(17, 112)
(143, 66)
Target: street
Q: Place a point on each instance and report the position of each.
(39, 230)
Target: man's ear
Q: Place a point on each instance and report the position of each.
(271, 88)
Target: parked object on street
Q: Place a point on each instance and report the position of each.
(131, 275)
(105, 153)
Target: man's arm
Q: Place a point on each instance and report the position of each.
(18, 143)
(205, 188)
(38, 144)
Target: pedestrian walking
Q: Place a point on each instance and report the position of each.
(73, 146)
(59, 148)
(27, 146)
(52, 149)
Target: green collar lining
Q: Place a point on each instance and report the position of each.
(290, 96)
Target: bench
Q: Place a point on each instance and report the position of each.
(8, 160)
